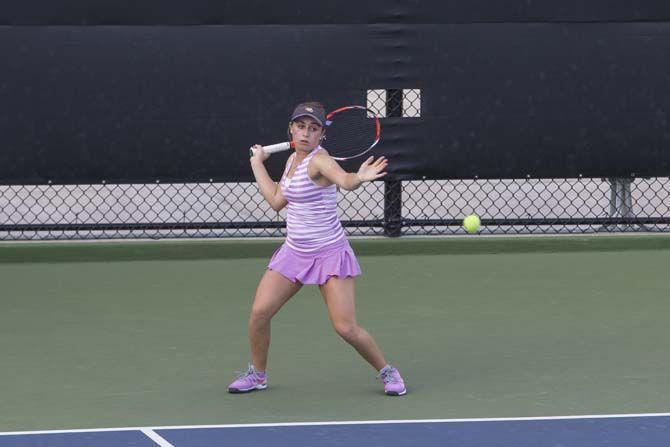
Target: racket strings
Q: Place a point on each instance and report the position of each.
(351, 134)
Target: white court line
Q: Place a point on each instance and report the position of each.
(306, 424)
(156, 437)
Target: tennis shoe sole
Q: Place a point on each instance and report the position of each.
(395, 393)
(261, 386)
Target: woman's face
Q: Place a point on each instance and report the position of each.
(306, 133)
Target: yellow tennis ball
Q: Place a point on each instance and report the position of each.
(471, 223)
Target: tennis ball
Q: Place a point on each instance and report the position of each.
(471, 223)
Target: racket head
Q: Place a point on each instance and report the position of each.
(351, 132)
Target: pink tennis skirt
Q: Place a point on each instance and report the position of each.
(316, 268)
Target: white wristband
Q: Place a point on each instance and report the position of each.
(359, 178)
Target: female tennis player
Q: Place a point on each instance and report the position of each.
(316, 250)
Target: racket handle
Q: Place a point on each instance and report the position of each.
(271, 149)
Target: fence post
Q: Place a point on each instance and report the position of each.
(393, 188)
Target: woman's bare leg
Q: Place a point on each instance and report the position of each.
(338, 293)
(273, 291)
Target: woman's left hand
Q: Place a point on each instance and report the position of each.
(371, 170)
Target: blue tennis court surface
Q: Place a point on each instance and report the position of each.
(649, 430)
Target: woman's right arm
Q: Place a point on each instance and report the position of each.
(270, 190)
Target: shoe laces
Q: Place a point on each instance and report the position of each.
(249, 372)
(387, 376)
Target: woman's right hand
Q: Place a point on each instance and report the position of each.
(259, 155)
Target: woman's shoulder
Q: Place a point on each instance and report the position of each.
(290, 159)
(320, 161)
(321, 153)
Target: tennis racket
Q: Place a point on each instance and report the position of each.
(351, 131)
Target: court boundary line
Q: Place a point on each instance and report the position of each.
(328, 423)
(158, 439)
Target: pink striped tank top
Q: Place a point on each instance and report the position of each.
(311, 221)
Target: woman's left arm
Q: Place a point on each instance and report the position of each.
(370, 170)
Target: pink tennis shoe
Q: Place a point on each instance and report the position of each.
(393, 383)
(252, 380)
(249, 381)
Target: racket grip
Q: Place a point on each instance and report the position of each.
(271, 149)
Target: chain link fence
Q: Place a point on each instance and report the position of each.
(426, 207)
(390, 208)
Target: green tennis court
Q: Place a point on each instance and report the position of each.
(135, 334)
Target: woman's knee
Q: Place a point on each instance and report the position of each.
(260, 315)
(346, 329)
